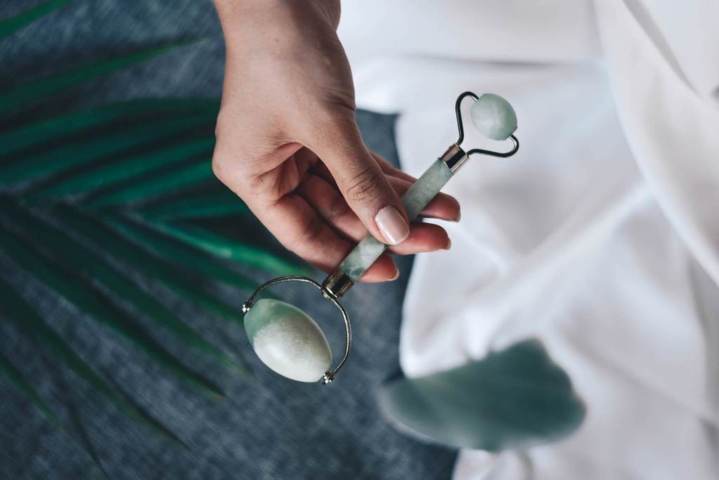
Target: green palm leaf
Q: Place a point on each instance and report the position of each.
(94, 204)
(14, 376)
(90, 119)
(26, 320)
(84, 438)
(10, 25)
(129, 167)
(95, 269)
(155, 185)
(216, 203)
(33, 91)
(221, 247)
(191, 257)
(78, 153)
(62, 277)
(168, 271)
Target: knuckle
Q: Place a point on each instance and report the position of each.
(219, 127)
(338, 105)
(222, 123)
(229, 172)
(364, 185)
(337, 210)
(219, 167)
(257, 186)
(336, 124)
(309, 233)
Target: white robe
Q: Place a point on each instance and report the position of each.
(600, 237)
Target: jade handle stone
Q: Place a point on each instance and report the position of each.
(369, 249)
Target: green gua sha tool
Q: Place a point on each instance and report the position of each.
(288, 340)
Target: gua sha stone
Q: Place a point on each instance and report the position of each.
(512, 399)
(290, 342)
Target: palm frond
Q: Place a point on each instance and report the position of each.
(17, 379)
(154, 185)
(64, 125)
(84, 438)
(215, 203)
(169, 271)
(219, 246)
(82, 152)
(33, 91)
(63, 277)
(189, 256)
(27, 321)
(10, 25)
(126, 168)
(91, 203)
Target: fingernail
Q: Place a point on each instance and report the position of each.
(396, 274)
(449, 244)
(392, 225)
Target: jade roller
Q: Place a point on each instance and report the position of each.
(286, 338)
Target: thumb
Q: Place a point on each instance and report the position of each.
(360, 179)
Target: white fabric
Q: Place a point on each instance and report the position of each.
(600, 237)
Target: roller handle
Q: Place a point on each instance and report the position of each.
(495, 118)
(415, 199)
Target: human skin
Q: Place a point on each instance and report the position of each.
(288, 143)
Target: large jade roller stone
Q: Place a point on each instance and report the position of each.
(288, 340)
(493, 116)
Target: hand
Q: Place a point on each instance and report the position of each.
(289, 146)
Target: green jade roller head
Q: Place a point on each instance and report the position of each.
(287, 339)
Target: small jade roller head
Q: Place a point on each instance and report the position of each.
(493, 116)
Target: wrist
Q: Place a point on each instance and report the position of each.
(231, 11)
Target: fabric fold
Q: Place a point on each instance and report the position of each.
(591, 237)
